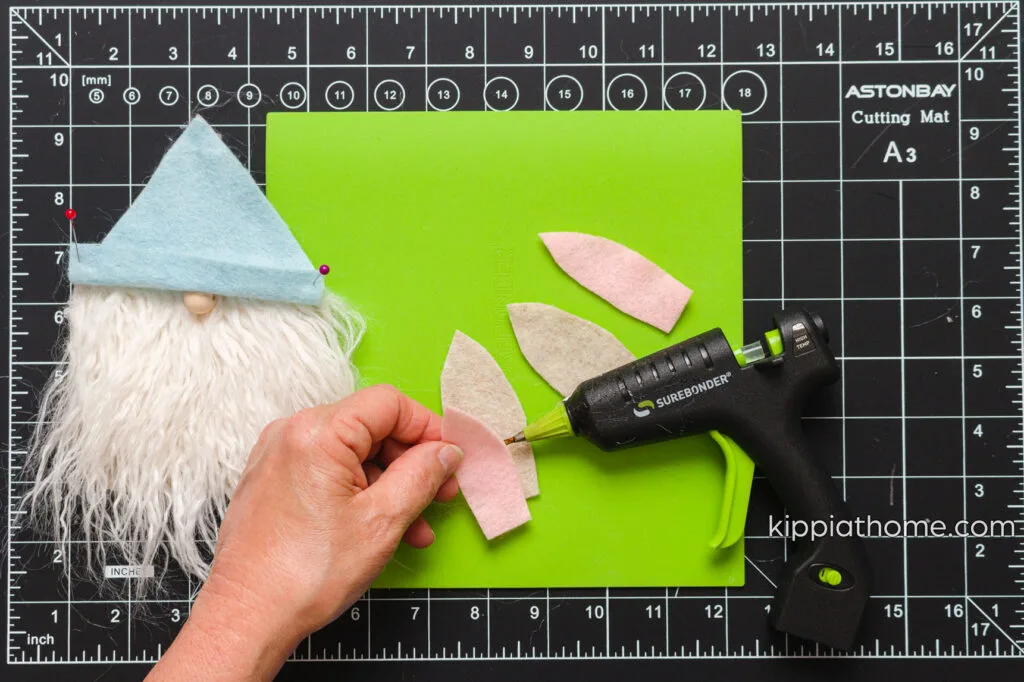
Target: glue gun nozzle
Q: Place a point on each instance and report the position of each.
(518, 438)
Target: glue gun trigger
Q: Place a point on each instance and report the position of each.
(739, 469)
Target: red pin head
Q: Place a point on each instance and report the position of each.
(324, 269)
(70, 214)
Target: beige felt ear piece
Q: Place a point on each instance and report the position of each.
(198, 303)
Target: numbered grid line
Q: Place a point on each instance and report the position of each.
(903, 422)
(842, 255)
(963, 383)
(71, 238)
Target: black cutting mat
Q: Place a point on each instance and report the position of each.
(904, 237)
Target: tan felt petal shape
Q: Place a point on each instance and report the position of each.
(564, 349)
(472, 381)
(487, 477)
(621, 276)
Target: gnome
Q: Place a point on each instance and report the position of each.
(195, 322)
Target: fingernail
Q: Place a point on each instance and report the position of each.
(450, 457)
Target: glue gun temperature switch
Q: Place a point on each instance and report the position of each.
(751, 397)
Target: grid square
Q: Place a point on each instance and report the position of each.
(101, 156)
(168, 103)
(337, 89)
(215, 92)
(48, 148)
(812, 269)
(931, 268)
(990, 499)
(922, 29)
(933, 387)
(515, 88)
(871, 210)
(989, 267)
(570, 88)
(811, 151)
(931, 327)
(749, 89)
(149, 145)
(987, 218)
(100, 631)
(392, 33)
(277, 38)
(457, 42)
(934, 447)
(873, 328)
(38, 571)
(103, 103)
(989, 384)
(224, 38)
(467, 94)
(47, 103)
(811, 210)
(511, 37)
(874, 447)
(879, 498)
(282, 89)
(935, 565)
(992, 447)
(934, 500)
(817, 98)
(872, 388)
(987, 559)
(44, 281)
(989, 327)
(871, 269)
(337, 38)
(931, 209)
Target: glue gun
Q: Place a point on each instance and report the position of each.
(750, 401)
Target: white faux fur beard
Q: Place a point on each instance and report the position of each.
(145, 432)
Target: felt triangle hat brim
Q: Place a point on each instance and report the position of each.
(201, 224)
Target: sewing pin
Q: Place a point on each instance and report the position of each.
(71, 214)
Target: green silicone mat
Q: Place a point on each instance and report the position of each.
(429, 222)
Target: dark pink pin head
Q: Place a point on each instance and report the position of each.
(324, 269)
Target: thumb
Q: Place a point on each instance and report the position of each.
(410, 483)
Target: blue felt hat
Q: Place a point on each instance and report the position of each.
(201, 224)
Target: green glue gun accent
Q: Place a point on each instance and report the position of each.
(749, 400)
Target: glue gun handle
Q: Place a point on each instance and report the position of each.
(807, 603)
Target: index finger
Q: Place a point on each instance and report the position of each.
(370, 415)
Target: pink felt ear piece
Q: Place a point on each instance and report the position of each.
(621, 276)
(473, 382)
(487, 476)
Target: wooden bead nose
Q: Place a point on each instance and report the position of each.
(198, 303)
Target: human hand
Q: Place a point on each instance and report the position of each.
(324, 500)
